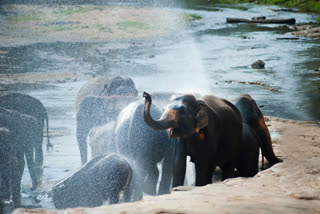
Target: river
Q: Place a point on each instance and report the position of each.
(208, 56)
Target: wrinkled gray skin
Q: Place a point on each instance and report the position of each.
(25, 134)
(99, 180)
(99, 101)
(208, 130)
(145, 147)
(28, 105)
(255, 134)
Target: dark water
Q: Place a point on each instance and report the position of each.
(207, 57)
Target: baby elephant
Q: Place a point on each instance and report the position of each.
(100, 179)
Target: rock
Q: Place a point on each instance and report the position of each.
(259, 64)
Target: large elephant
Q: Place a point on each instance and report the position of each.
(208, 130)
(100, 179)
(255, 135)
(146, 147)
(25, 133)
(99, 101)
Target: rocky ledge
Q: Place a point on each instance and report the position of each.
(289, 187)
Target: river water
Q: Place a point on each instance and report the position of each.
(208, 56)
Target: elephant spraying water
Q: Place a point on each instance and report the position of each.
(208, 130)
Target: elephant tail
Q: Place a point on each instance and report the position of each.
(49, 145)
(266, 147)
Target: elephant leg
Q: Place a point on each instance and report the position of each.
(228, 171)
(114, 197)
(39, 159)
(134, 190)
(179, 171)
(16, 176)
(150, 186)
(167, 172)
(31, 166)
(5, 182)
(82, 133)
(203, 174)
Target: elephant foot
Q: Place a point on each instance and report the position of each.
(35, 185)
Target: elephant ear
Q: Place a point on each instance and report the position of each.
(201, 119)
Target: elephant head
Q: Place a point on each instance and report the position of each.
(182, 117)
(119, 86)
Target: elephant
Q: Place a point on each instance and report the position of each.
(100, 179)
(98, 102)
(255, 135)
(98, 139)
(25, 134)
(208, 130)
(146, 148)
(97, 111)
(103, 86)
(29, 105)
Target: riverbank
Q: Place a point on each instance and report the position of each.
(24, 24)
(303, 5)
(289, 187)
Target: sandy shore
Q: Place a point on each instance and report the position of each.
(289, 187)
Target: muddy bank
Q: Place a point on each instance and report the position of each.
(289, 187)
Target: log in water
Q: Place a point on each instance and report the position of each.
(262, 21)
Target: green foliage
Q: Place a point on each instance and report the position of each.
(104, 28)
(61, 28)
(22, 18)
(133, 24)
(191, 17)
(72, 10)
(304, 5)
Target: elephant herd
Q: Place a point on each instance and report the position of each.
(135, 146)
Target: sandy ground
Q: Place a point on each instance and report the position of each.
(32, 23)
(289, 187)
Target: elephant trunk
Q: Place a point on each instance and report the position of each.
(161, 124)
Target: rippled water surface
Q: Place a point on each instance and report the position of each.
(207, 56)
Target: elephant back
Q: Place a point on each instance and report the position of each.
(73, 190)
(103, 86)
(93, 183)
(24, 104)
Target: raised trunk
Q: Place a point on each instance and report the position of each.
(161, 124)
